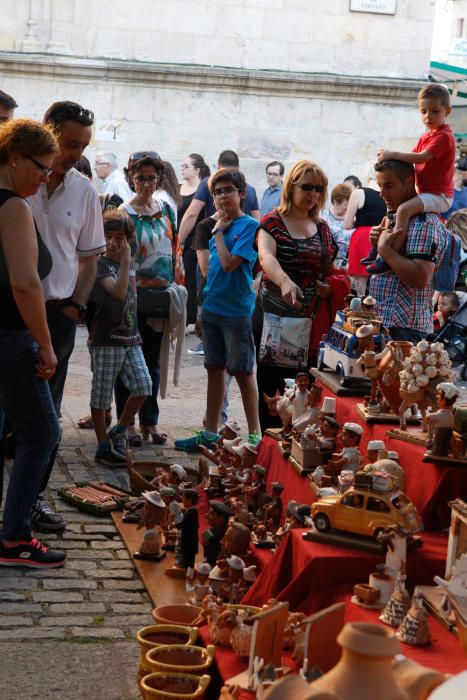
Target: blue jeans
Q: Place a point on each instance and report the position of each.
(149, 412)
(27, 402)
(63, 332)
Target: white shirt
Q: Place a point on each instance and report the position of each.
(70, 224)
(164, 196)
(115, 183)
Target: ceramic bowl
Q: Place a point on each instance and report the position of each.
(171, 686)
(183, 615)
(161, 635)
(180, 658)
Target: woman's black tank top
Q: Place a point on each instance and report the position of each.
(10, 317)
(373, 210)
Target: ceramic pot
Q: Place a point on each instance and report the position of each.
(388, 373)
(366, 663)
(179, 658)
(158, 635)
(169, 686)
(176, 614)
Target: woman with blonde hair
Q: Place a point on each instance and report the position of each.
(300, 285)
(27, 359)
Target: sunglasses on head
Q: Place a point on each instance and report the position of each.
(309, 187)
(137, 155)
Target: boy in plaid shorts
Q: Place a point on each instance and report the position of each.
(114, 340)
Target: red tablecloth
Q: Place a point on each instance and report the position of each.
(311, 576)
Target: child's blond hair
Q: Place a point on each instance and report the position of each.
(457, 223)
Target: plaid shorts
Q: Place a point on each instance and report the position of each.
(110, 361)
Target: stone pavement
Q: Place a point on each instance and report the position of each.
(69, 633)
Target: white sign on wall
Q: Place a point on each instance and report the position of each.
(381, 7)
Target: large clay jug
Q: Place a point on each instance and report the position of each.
(388, 372)
(365, 668)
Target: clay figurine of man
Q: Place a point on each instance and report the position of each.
(441, 423)
(201, 587)
(174, 517)
(274, 509)
(311, 415)
(189, 535)
(235, 586)
(218, 519)
(256, 491)
(326, 439)
(376, 449)
(350, 458)
(154, 517)
(298, 396)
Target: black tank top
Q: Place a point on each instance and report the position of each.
(373, 210)
(10, 316)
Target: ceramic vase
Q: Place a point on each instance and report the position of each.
(365, 668)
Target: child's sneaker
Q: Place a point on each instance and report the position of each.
(370, 258)
(31, 554)
(109, 458)
(377, 267)
(193, 444)
(118, 443)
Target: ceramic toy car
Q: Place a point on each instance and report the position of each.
(365, 512)
(340, 349)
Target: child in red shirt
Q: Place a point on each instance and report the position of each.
(433, 157)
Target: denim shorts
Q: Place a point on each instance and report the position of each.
(228, 343)
(110, 361)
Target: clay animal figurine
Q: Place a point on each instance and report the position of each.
(154, 518)
(279, 406)
(311, 414)
(441, 423)
(414, 628)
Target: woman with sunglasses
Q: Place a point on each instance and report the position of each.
(296, 252)
(154, 257)
(27, 359)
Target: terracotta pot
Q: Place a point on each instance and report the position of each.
(388, 373)
(176, 614)
(179, 658)
(366, 663)
(170, 686)
(159, 635)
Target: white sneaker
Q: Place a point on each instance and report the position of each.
(198, 350)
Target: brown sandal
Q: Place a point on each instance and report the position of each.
(87, 423)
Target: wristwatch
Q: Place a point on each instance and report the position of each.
(79, 307)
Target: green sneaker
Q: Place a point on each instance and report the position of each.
(193, 444)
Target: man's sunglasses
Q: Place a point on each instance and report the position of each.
(137, 155)
(309, 187)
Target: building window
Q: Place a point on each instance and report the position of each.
(460, 27)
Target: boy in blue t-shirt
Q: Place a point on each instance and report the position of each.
(228, 307)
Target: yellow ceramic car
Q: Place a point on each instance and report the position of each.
(365, 512)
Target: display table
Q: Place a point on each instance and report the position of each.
(311, 576)
(443, 654)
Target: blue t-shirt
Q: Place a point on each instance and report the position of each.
(250, 203)
(231, 293)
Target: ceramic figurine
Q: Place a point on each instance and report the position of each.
(299, 395)
(235, 586)
(414, 628)
(376, 449)
(230, 430)
(398, 604)
(427, 365)
(279, 406)
(274, 509)
(240, 639)
(369, 361)
(218, 519)
(201, 587)
(189, 535)
(298, 516)
(255, 492)
(350, 458)
(236, 541)
(441, 423)
(240, 512)
(154, 518)
(174, 517)
(311, 415)
(292, 627)
(391, 467)
(325, 439)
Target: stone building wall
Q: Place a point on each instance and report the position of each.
(269, 78)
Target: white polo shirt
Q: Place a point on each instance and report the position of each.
(70, 224)
(115, 183)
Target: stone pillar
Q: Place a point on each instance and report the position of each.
(31, 42)
(61, 15)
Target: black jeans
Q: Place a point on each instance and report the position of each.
(409, 334)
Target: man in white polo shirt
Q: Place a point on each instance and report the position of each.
(68, 215)
(107, 171)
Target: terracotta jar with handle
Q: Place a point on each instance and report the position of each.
(365, 667)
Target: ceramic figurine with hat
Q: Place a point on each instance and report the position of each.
(350, 458)
(154, 517)
(188, 535)
(312, 412)
(218, 519)
(275, 508)
(256, 491)
(441, 423)
(201, 587)
(235, 586)
(376, 449)
(174, 516)
(326, 440)
(236, 541)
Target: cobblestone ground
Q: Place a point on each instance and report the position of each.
(69, 633)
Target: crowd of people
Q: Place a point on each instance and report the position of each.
(150, 255)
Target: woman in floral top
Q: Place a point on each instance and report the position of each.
(154, 256)
(296, 251)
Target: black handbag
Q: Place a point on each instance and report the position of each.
(153, 302)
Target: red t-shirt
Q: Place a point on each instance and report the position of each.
(435, 176)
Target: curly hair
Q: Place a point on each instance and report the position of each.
(27, 137)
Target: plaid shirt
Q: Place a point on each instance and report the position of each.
(399, 304)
